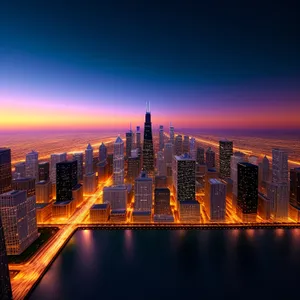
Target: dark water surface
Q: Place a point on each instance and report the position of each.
(176, 264)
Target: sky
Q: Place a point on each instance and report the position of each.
(216, 64)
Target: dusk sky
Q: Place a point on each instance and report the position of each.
(216, 64)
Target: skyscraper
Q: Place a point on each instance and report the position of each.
(161, 138)
(89, 160)
(193, 150)
(44, 171)
(138, 139)
(200, 156)
(102, 154)
(129, 142)
(172, 135)
(118, 161)
(247, 199)
(148, 153)
(265, 169)
(20, 170)
(32, 161)
(216, 208)
(54, 159)
(295, 187)
(134, 166)
(178, 145)
(5, 170)
(186, 144)
(78, 156)
(143, 193)
(5, 287)
(279, 166)
(225, 151)
(184, 177)
(116, 196)
(24, 184)
(210, 158)
(162, 209)
(66, 180)
(160, 163)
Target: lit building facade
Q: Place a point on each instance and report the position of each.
(225, 151)
(279, 166)
(20, 170)
(143, 193)
(5, 170)
(99, 213)
(78, 156)
(189, 211)
(295, 187)
(264, 207)
(200, 156)
(118, 162)
(43, 212)
(138, 142)
(186, 144)
(32, 161)
(116, 196)
(43, 191)
(25, 184)
(210, 158)
(129, 143)
(160, 164)
(216, 210)
(44, 171)
(54, 159)
(178, 147)
(161, 138)
(89, 162)
(89, 184)
(172, 134)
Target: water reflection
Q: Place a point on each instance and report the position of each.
(128, 234)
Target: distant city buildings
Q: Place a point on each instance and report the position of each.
(178, 147)
(225, 151)
(172, 135)
(279, 166)
(186, 144)
(138, 142)
(200, 156)
(20, 170)
(43, 171)
(31, 164)
(89, 160)
(78, 156)
(161, 138)
(116, 196)
(118, 162)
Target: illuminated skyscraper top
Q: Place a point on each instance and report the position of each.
(148, 153)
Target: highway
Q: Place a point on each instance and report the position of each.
(31, 271)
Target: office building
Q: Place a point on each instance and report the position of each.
(24, 184)
(264, 207)
(5, 286)
(279, 166)
(186, 144)
(247, 199)
(78, 156)
(118, 216)
(184, 181)
(143, 193)
(216, 208)
(148, 152)
(44, 171)
(18, 215)
(178, 147)
(43, 212)
(141, 216)
(189, 211)
(116, 196)
(160, 164)
(134, 166)
(162, 201)
(225, 151)
(236, 158)
(161, 182)
(89, 184)
(200, 156)
(295, 187)
(54, 159)
(102, 154)
(118, 162)
(66, 179)
(20, 170)
(63, 209)
(5, 170)
(43, 191)
(278, 194)
(102, 170)
(89, 160)
(31, 165)
(110, 164)
(210, 158)
(172, 134)
(129, 142)
(138, 143)
(193, 148)
(77, 194)
(99, 213)
(161, 138)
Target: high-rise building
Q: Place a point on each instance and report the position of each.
(134, 166)
(265, 169)
(24, 184)
(184, 177)
(264, 207)
(78, 156)
(225, 151)
(210, 158)
(172, 134)
(148, 153)
(44, 171)
(118, 161)
(200, 156)
(178, 147)
(110, 163)
(54, 159)
(236, 158)
(161, 138)
(210, 173)
(20, 170)
(5, 170)
(193, 150)
(5, 286)
(162, 208)
(168, 155)
(66, 179)
(143, 193)
(160, 163)
(216, 208)
(129, 142)
(279, 166)
(186, 144)
(161, 181)
(18, 215)
(278, 193)
(247, 199)
(116, 196)
(32, 161)
(295, 187)
(102, 154)
(89, 160)
(43, 191)
(138, 139)
(89, 183)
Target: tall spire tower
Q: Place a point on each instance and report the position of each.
(148, 153)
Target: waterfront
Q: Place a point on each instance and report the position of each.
(146, 264)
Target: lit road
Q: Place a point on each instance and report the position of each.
(33, 269)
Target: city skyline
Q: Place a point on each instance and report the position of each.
(208, 67)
